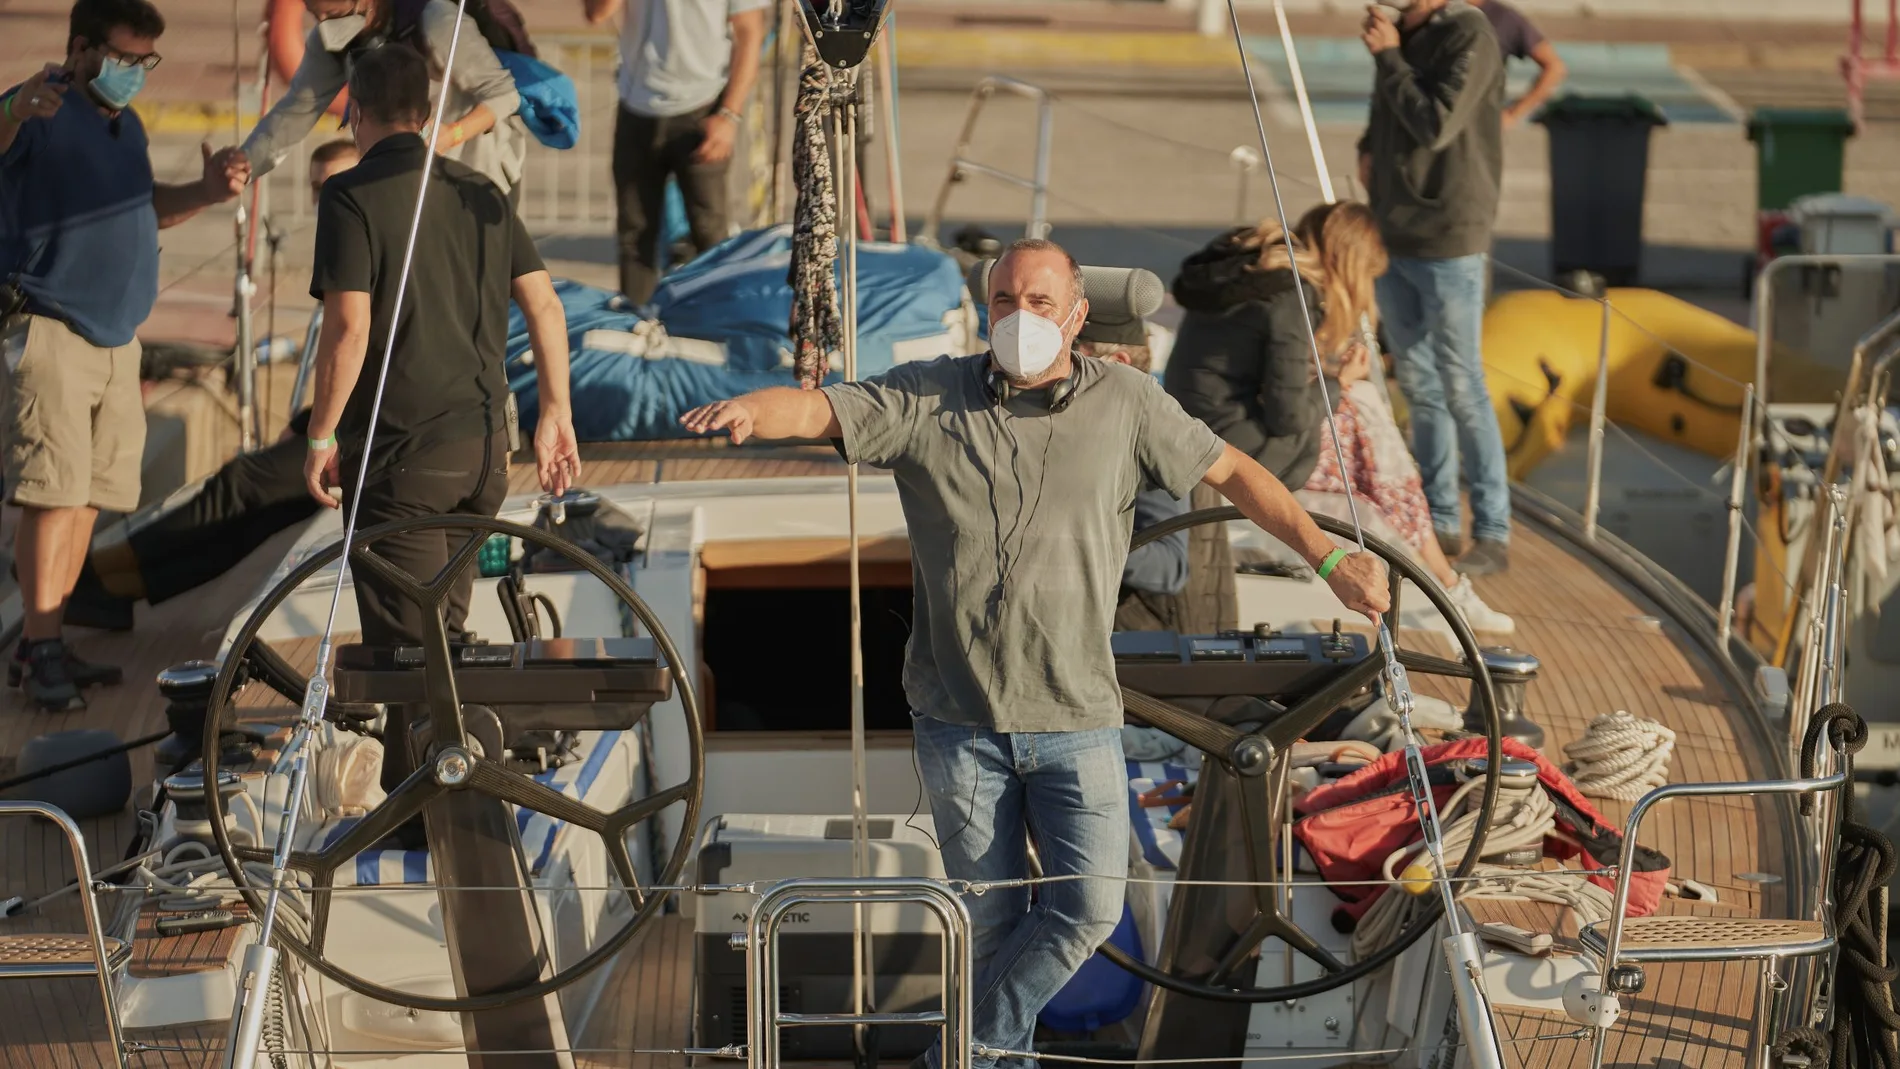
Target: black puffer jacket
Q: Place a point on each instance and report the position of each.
(1241, 362)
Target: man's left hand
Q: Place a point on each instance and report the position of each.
(321, 471)
(1359, 581)
(1378, 32)
(1513, 115)
(226, 172)
(557, 453)
(720, 135)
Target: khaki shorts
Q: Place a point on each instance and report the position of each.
(73, 416)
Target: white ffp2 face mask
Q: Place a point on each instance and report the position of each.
(1025, 344)
(337, 33)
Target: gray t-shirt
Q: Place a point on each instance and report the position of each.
(675, 55)
(1019, 523)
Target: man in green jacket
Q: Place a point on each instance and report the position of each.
(1432, 160)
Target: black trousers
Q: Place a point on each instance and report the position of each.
(467, 477)
(185, 541)
(646, 151)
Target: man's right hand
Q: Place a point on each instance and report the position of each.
(730, 416)
(719, 136)
(1378, 32)
(557, 453)
(37, 97)
(321, 471)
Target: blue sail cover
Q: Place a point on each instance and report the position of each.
(725, 320)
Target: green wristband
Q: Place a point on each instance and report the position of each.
(9, 106)
(322, 443)
(1332, 561)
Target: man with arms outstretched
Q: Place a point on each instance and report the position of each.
(1017, 471)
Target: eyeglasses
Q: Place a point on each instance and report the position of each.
(148, 60)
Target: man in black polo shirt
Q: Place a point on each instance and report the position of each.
(440, 444)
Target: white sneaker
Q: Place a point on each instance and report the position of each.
(1480, 616)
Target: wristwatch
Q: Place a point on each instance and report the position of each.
(730, 115)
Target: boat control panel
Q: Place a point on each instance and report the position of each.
(1261, 662)
(559, 684)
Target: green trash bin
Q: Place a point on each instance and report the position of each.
(1599, 168)
(1798, 151)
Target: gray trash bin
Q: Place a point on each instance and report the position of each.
(1599, 164)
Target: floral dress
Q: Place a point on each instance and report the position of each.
(1379, 464)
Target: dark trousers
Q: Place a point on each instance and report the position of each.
(179, 544)
(467, 477)
(646, 151)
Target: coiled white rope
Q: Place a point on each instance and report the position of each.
(1524, 818)
(347, 777)
(1620, 756)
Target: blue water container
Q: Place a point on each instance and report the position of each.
(1101, 993)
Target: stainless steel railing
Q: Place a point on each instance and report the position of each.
(762, 962)
(961, 164)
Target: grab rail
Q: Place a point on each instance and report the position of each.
(89, 908)
(762, 962)
(960, 163)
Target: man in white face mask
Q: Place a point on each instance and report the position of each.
(1017, 470)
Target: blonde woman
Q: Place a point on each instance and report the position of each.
(1344, 240)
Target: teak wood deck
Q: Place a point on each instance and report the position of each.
(1603, 646)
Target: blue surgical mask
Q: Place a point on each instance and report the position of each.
(118, 82)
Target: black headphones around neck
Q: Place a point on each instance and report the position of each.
(1061, 394)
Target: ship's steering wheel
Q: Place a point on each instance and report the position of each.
(1252, 755)
(451, 763)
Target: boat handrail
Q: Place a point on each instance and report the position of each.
(960, 162)
(1626, 859)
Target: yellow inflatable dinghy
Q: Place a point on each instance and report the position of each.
(1540, 356)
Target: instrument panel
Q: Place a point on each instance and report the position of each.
(576, 684)
(1261, 663)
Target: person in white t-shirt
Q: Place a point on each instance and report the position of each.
(686, 68)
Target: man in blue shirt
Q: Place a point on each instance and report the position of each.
(79, 222)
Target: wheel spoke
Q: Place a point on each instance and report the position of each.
(1395, 586)
(1316, 707)
(403, 803)
(378, 565)
(1433, 666)
(1211, 737)
(463, 560)
(650, 806)
(622, 860)
(1295, 936)
(1241, 949)
(492, 779)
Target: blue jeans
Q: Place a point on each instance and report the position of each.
(1434, 316)
(1070, 790)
